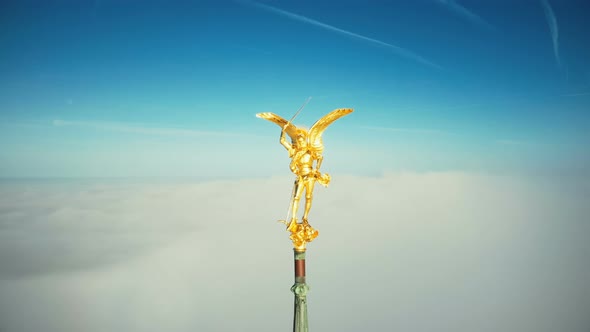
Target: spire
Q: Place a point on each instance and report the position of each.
(305, 149)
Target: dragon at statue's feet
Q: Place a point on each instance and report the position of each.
(301, 233)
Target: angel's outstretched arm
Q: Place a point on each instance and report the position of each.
(285, 143)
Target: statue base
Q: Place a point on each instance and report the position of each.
(301, 234)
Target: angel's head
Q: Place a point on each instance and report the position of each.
(301, 138)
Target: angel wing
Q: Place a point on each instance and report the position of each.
(291, 130)
(315, 133)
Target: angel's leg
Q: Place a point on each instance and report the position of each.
(309, 182)
(296, 197)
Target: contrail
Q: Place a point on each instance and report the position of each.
(469, 15)
(552, 21)
(396, 49)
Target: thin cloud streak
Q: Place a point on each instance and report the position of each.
(513, 142)
(508, 142)
(407, 130)
(398, 50)
(138, 129)
(466, 13)
(576, 94)
(553, 28)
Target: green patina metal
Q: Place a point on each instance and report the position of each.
(299, 255)
(300, 315)
(300, 290)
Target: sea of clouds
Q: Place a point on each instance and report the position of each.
(399, 252)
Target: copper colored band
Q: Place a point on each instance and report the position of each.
(300, 268)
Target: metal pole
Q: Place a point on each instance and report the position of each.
(300, 289)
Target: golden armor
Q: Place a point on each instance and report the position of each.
(305, 148)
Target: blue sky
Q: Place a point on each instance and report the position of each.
(170, 88)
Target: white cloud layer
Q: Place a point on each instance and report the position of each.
(404, 252)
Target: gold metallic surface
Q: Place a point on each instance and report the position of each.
(301, 234)
(305, 148)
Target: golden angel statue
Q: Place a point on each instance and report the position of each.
(305, 149)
